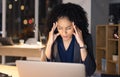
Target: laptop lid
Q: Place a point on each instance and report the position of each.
(49, 69)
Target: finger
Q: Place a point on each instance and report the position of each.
(54, 26)
(74, 34)
(74, 26)
(79, 30)
(57, 34)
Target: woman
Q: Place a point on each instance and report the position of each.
(69, 40)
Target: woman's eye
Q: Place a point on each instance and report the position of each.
(59, 28)
(68, 28)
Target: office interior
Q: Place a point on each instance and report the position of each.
(23, 22)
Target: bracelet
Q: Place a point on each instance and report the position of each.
(83, 47)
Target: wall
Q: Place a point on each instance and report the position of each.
(114, 1)
(99, 15)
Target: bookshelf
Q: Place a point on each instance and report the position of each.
(107, 45)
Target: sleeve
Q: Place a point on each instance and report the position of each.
(89, 61)
(43, 56)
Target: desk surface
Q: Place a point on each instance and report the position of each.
(26, 46)
(10, 70)
(21, 50)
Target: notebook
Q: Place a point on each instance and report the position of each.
(49, 69)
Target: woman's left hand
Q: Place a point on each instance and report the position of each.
(78, 35)
(79, 38)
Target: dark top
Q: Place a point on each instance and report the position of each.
(66, 55)
(89, 62)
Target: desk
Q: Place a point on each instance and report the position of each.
(20, 50)
(10, 70)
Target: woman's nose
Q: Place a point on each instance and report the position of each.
(64, 31)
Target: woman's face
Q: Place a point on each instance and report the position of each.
(65, 28)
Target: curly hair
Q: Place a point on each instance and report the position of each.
(73, 12)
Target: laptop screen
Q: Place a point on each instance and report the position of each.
(49, 69)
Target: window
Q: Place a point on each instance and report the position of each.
(21, 18)
(114, 10)
(45, 6)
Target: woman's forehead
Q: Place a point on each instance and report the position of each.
(63, 18)
(64, 21)
(64, 26)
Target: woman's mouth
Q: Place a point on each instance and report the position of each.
(64, 36)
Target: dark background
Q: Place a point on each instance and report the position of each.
(114, 9)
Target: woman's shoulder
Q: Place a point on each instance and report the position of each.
(88, 36)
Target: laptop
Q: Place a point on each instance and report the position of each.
(49, 69)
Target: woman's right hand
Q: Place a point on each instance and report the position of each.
(52, 37)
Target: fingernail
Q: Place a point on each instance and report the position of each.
(53, 23)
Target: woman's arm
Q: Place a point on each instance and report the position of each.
(52, 37)
(86, 53)
(89, 60)
(79, 37)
